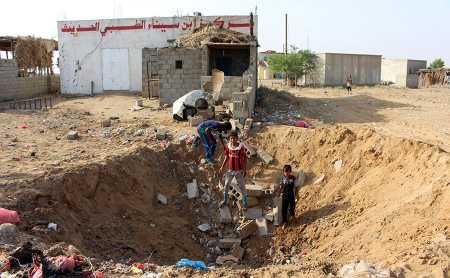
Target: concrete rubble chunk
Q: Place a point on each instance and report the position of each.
(225, 215)
(247, 229)
(195, 121)
(72, 135)
(338, 165)
(139, 132)
(252, 202)
(254, 190)
(161, 134)
(320, 179)
(162, 199)
(223, 259)
(300, 180)
(228, 243)
(8, 233)
(106, 123)
(262, 226)
(248, 123)
(192, 189)
(277, 202)
(264, 156)
(250, 151)
(204, 227)
(238, 252)
(253, 213)
(269, 216)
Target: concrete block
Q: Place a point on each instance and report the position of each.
(253, 213)
(228, 243)
(277, 202)
(192, 189)
(250, 151)
(72, 135)
(238, 252)
(247, 229)
(162, 199)
(264, 156)
(254, 190)
(223, 259)
(262, 226)
(269, 216)
(195, 121)
(225, 215)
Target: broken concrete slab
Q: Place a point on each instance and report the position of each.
(300, 180)
(262, 226)
(195, 121)
(247, 229)
(204, 227)
(250, 151)
(223, 259)
(320, 179)
(72, 135)
(225, 215)
(254, 190)
(253, 213)
(228, 243)
(264, 156)
(162, 199)
(238, 252)
(277, 202)
(192, 189)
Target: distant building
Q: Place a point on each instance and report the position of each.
(402, 72)
(334, 68)
(434, 78)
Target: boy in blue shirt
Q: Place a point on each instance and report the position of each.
(205, 130)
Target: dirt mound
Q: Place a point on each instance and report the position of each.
(110, 210)
(381, 199)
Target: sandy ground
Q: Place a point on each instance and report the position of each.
(388, 204)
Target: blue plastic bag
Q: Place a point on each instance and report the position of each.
(194, 264)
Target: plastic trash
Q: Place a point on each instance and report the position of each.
(302, 123)
(52, 226)
(9, 216)
(204, 227)
(194, 264)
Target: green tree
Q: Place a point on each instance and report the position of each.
(295, 64)
(437, 64)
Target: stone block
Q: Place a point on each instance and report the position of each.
(192, 189)
(277, 202)
(225, 215)
(262, 226)
(247, 229)
(254, 190)
(238, 252)
(228, 243)
(72, 135)
(269, 216)
(264, 156)
(253, 213)
(162, 199)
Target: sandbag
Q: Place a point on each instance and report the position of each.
(9, 216)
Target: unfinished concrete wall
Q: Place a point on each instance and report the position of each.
(13, 87)
(230, 85)
(179, 70)
(401, 72)
(364, 69)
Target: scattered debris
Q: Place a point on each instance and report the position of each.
(161, 134)
(238, 252)
(247, 229)
(72, 135)
(277, 202)
(162, 199)
(264, 156)
(106, 123)
(223, 259)
(204, 227)
(254, 190)
(192, 189)
(228, 243)
(262, 226)
(225, 215)
(52, 227)
(139, 132)
(7, 233)
(362, 269)
(338, 165)
(320, 179)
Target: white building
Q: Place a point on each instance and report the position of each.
(106, 55)
(402, 72)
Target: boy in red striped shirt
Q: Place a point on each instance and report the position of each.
(236, 156)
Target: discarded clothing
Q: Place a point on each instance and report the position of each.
(9, 216)
(194, 264)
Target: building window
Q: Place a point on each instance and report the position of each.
(178, 64)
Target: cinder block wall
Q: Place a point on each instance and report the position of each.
(174, 82)
(13, 87)
(231, 84)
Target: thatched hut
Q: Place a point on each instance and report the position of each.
(434, 78)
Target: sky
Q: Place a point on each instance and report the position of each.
(393, 28)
